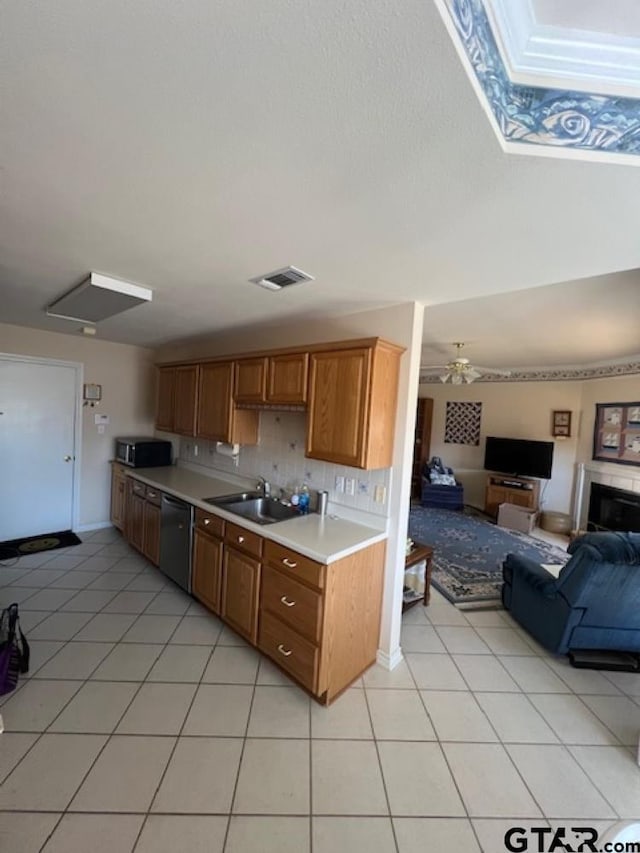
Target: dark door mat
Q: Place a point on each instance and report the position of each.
(595, 659)
(33, 544)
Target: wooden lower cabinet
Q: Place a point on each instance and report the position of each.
(320, 623)
(206, 575)
(151, 532)
(240, 591)
(118, 495)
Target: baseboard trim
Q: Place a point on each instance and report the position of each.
(87, 528)
(391, 661)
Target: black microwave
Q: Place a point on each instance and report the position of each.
(141, 452)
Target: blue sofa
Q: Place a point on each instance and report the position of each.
(593, 604)
(435, 494)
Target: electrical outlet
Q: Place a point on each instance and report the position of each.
(339, 484)
(380, 494)
(363, 487)
(350, 486)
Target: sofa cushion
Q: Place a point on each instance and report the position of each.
(609, 547)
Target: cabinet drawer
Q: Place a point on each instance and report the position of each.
(209, 523)
(153, 496)
(293, 603)
(138, 488)
(288, 649)
(243, 539)
(301, 568)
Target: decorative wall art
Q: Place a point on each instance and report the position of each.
(561, 424)
(462, 423)
(616, 436)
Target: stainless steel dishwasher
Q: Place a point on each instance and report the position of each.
(175, 540)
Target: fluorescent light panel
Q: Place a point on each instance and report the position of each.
(98, 297)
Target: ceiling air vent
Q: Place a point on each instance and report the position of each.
(282, 278)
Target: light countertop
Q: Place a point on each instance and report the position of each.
(323, 538)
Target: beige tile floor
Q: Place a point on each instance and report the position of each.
(145, 725)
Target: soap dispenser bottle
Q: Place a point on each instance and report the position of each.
(304, 499)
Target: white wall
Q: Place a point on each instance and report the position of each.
(401, 324)
(128, 393)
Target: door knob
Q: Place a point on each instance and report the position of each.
(67, 458)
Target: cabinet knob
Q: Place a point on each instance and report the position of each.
(151, 495)
(286, 601)
(206, 521)
(289, 563)
(240, 538)
(284, 652)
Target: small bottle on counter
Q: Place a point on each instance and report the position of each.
(304, 498)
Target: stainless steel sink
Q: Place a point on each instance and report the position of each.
(223, 500)
(255, 507)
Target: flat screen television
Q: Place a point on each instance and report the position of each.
(519, 457)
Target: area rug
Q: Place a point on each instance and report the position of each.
(468, 553)
(33, 544)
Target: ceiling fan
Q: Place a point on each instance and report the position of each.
(460, 369)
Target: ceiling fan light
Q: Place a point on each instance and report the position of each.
(444, 377)
(469, 378)
(456, 379)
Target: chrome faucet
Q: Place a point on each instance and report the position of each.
(265, 487)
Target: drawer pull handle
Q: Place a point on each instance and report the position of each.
(286, 601)
(289, 563)
(241, 539)
(283, 651)
(206, 521)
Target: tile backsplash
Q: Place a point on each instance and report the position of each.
(279, 458)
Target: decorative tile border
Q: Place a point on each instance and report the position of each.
(552, 374)
(527, 115)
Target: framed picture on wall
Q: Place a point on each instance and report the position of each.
(616, 435)
(561, 424)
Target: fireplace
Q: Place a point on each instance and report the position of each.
(613, 509)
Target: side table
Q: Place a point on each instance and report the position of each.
(420, 552)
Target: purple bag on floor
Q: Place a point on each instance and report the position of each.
(14, 649)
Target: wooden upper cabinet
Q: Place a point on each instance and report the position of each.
(214, 401)
(251, 380)
(186, 398)
(287, 378)
(272, 379)
(352, 405)
(338, 406)
(218, 418)
(166, 387)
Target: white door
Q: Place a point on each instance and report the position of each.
(37, 447)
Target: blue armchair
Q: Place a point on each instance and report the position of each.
(593, 604)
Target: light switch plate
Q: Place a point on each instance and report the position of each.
(380, 494)
(339, 484)
(350, 486)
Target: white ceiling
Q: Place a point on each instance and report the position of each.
(620, 17)
(190, 146)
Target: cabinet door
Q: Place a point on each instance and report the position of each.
(338, 406)
(251, 379)
(206, 581)
(241, 583)
(186, 392)
(118, 486)
(166, 386)
(151, 533)
(136, 526)
(520, 497)
(214, 401)
(495, 495)
(287, 381)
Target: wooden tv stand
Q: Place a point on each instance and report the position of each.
(501, 489)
